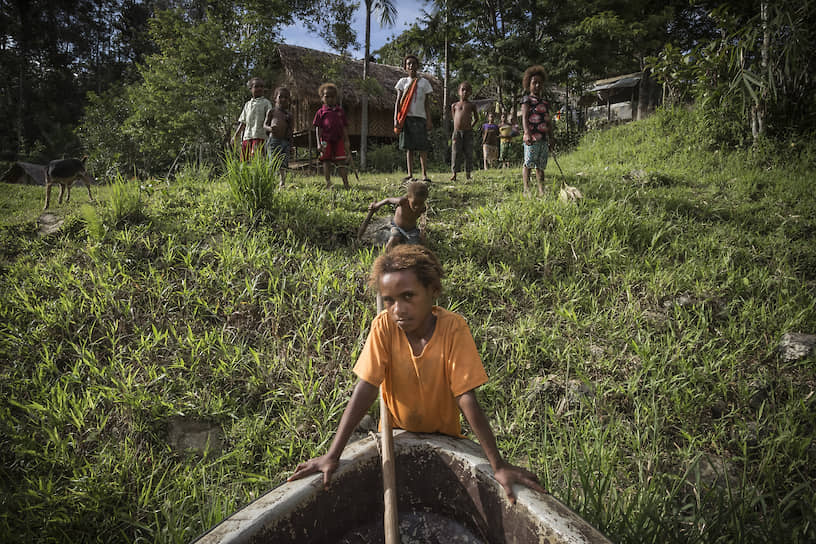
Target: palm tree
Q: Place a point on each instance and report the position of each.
(388, 14)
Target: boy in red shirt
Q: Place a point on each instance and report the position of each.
(330, 128)
(427, 362)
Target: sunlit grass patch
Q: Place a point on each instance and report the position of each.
(630, 341)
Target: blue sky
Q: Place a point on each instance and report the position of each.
(407, 13)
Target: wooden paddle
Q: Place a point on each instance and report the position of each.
(391, 517)
(360, 233)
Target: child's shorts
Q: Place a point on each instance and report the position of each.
(412, 236)
(536, 154)
(334, 151)
(414, 135)
(275, 146)
(249, 147)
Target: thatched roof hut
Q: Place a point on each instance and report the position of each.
(25, 173)
(303, 70)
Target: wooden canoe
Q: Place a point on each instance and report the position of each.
(446, 495)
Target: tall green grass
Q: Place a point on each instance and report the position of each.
(630, 341)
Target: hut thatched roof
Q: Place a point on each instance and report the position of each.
(22, 172)
(306, 69)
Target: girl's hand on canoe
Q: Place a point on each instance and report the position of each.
(325, 464)
(511, 474)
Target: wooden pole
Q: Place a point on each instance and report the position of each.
(391, 517)
(360, 233)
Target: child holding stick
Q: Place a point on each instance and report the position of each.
(535, 118)
(409, 208)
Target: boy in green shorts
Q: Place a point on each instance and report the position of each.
(412, 116)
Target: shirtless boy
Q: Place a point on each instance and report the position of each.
(279, 127)
(408, 210)
(465, 117)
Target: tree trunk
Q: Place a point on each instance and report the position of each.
(364, 96)
(445, 108)
(20, 105)
(647, 95)
(759, 109)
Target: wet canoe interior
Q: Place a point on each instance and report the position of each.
(446, 495)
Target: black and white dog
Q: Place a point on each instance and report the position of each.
(65, 172)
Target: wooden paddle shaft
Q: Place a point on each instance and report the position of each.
(360, 233)
(391, 517)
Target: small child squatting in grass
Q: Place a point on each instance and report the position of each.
(427, 362)
(251, 122)
(465, 117)
(535, 118)
(409, 208)
(330, 128)
(279, 126)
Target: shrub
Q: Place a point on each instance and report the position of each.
(253, 183)
(125, 204)
(385, 158)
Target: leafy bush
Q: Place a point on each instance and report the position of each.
(253, 183)
(125, 204)
(385, 158)
(93, 222)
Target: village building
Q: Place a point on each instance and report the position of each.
(621, 98)
(303, 70)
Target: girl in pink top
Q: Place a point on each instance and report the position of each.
(330, 128)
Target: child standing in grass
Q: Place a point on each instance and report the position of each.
(409, 208)
(427, 363)
(330, 128)
(279, 126)
(465, 117)
(535, 118)
(506, 134)
(251, 122)
(412, 116)
(490, 141)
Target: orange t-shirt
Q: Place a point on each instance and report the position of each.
(420, 391)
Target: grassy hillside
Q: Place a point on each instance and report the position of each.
(631, 341)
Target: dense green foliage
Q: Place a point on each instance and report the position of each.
(758, 65)
(138, 84)
(169, 59)
(630, 341)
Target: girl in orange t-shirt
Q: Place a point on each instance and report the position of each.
(426, 360)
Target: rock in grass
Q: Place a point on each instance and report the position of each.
(187, 434)
(794, 346)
